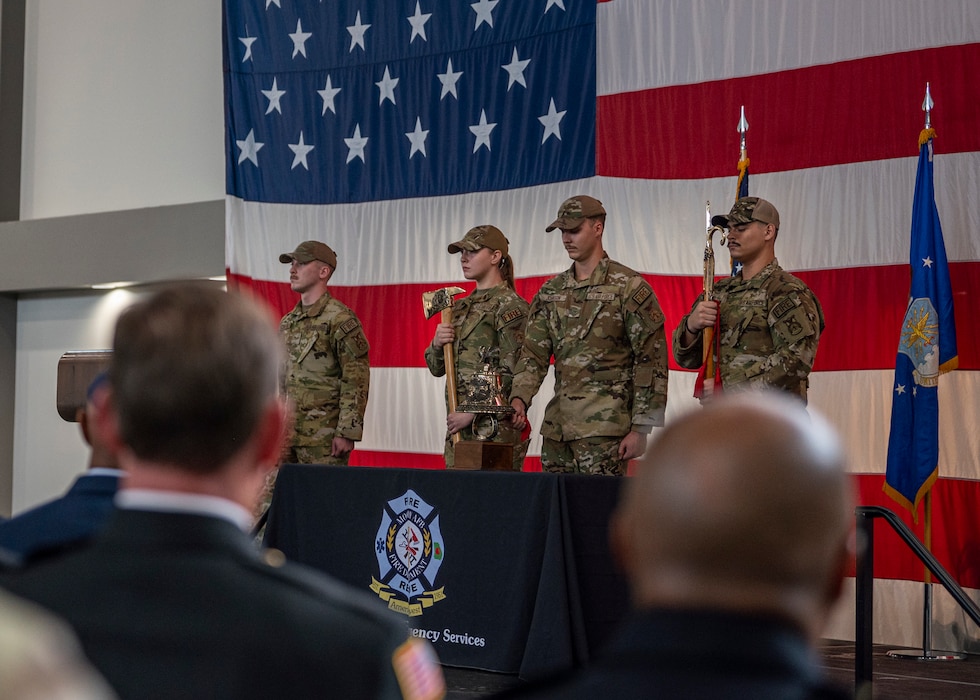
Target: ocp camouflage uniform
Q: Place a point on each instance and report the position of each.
(487, 318)
(769, 329)
(328, 375)
(607, 337)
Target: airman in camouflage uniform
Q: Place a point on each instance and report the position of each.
(769, 322)
(328, 374)
(604, 327)
(487, 327)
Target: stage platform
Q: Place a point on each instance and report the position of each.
(894, 679)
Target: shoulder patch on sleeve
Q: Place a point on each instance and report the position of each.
(784, 307)
(349, 325)
(418, 672)
(641, 295)
(511, 315)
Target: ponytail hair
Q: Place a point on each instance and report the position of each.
(506, 266)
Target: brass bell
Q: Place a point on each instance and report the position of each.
(485, 398)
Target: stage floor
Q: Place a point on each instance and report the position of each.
(896, 679)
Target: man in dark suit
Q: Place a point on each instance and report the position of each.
(63, 523)
(734, 537)
(172, 599)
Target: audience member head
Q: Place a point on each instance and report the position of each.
(194, 378)
(743, 506)
(101, 454)
(40, 657)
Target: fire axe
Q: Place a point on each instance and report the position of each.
(441, 301)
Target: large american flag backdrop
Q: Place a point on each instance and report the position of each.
(387, 129)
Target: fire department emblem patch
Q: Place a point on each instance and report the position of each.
(410, 550)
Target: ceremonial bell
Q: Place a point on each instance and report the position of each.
(485, 398)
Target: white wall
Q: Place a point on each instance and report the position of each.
(48, 451)
(123, 109)
(122, 105)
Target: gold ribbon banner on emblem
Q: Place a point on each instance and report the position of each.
(425, 600)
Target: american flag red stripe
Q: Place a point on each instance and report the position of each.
(845, 293)
(847, 112)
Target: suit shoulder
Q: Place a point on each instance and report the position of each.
(313, 590)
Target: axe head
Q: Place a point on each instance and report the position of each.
(435, 301)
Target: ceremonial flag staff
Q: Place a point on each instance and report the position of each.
(927, 348)
(742, 190)
(742, 185)
(708, 382)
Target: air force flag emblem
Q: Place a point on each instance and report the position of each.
(919, 341)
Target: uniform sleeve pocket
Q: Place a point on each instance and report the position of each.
(644, 376)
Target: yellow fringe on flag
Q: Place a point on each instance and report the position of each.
(743, 167)
(925, 135)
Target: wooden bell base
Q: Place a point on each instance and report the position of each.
(487, 456)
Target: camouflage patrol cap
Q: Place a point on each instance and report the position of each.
(485, 236)
(748, 209)
(311, 250)
(574, 209)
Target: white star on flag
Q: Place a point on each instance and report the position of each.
(328, 93)
(387, 86)
(299, 39)
(417, 138)
(927, 262)
(248, 41)
(301, 150)
(418, 21)
(515, 70)
(482, 131)
(357, 33)
(900, 389)
(554, 3)
(250, 148)
(448, 80)
(551, 122)
(274, 95)
(356, 145)
(484, 12)
(272, 2)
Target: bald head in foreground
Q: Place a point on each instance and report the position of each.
(734, 537)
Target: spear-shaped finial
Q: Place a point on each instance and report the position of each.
(927, 105)
(743, 126)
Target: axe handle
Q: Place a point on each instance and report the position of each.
(447, 354)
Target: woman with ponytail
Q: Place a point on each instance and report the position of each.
(487, 327)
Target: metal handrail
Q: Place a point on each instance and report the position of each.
(864, 586)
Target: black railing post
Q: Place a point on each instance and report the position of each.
(864, 603)
(864, 587)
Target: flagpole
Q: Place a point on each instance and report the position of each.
(927, 653)
(927, 580)
(927, 105)
(741, 187)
